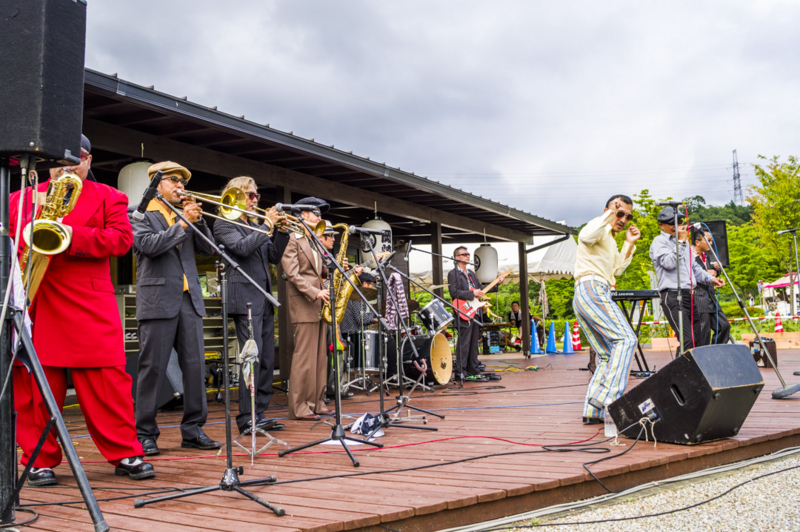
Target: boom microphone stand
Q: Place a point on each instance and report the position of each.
(785, 390)
(230, 478)
(796, 267)
(402, 399)
(337, 431)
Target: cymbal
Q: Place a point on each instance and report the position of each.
(369, 293)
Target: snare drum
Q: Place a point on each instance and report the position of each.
(434, 317)
(362, 349)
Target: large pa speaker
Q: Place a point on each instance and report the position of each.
(171, 391)
(702, 396)
(41, 66)
(719, 231)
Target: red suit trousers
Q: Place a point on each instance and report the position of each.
(105, 399)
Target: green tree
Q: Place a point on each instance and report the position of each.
(750, 260)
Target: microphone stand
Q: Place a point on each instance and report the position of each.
(785, 390)
(678, 271)
(402, 399)
(337, 431)
(230, 478)
(796, 271)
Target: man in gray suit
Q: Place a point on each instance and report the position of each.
(170, 309)
(254, 251)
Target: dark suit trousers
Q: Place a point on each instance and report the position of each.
(669, 300)
(264, 335)
(469, 334)
(184, 332)
(723, 335)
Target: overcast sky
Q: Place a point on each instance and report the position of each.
(549, 107)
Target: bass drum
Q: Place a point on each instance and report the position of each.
(434, 350)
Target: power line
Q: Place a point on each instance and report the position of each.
(737, 183)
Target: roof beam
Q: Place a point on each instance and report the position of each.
(128, 142)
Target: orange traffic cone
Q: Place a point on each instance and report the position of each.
(778, 323)
(576, 337)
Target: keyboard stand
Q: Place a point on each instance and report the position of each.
(644, 369)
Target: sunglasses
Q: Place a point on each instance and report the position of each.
(253, 196)
(175, 179)
(622, 214)
(463, 255)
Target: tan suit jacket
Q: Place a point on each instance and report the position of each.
(305, 280)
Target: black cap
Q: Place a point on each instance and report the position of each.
(667, 216)
(366, 277)
(85, 144)
(322, 205)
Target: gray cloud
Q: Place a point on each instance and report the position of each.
(549, 107)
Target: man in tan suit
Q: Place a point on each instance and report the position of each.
(303, 268)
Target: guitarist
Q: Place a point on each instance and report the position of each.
(463, 284)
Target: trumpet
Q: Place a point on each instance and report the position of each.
(233, 203)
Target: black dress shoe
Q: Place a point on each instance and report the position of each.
(202, 442)
(42, 477)
(149, 446)
(481, 367)
(140, 471)
(592, 420)
(262, 424)
(327, 400)
(347, 395)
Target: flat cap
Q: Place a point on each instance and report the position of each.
(322, 205)
(667, 216)
(169, 167)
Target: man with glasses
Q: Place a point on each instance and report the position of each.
(170, 308)
(76, 326)
(662, 253)
(463, 284)
(254, 251)
(598, 264)
(711, 316)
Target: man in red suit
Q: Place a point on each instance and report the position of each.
(76, 325)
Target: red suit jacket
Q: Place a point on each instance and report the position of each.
(76, 321)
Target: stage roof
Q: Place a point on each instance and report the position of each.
(119, 116)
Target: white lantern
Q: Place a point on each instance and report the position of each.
(133, 180)
(379, 242)
(486, 263)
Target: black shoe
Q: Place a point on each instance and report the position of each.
(262, 424)
(326, 400)
(202, 442)
(140, 471)
(481, 367)
(347, 395)
(149, 446)
(493, 376)
(592, 420)
(42, 477)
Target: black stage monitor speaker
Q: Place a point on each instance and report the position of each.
(720, 246)
(171, 387)
(42, 46)
(702, 396)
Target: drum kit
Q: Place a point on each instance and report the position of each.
(428, 336)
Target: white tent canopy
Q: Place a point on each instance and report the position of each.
(553, 262)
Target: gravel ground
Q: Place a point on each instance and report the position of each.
(768, 504)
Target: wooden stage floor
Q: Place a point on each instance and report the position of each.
(518, 414)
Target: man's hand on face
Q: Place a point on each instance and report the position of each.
(683, 233)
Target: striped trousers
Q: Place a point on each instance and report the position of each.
(611, 337)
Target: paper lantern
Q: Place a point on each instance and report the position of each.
(379, 242)
(133, 180)
(486, 261)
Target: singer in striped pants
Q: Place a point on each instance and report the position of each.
(597, 265)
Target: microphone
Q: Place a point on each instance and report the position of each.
(284, 207)
(366, 231)
(787, 231)
(408, 248)
(149, 194)
(697, 225)
(672, 203)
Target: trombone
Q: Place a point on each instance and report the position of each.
(233, 203)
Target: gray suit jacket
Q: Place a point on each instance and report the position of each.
(254, 252)
(163, 255)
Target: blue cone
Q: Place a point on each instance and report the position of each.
(568, 340)
(551, 339)
(535, 347)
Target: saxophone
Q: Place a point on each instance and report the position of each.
(50, 236)
(342, 288)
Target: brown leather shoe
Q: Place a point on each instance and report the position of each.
(310, 417)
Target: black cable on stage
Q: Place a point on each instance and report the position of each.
(659, 514)
(388, 528)
(29, 521)
(589, 447)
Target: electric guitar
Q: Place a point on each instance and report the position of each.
(468, 309)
